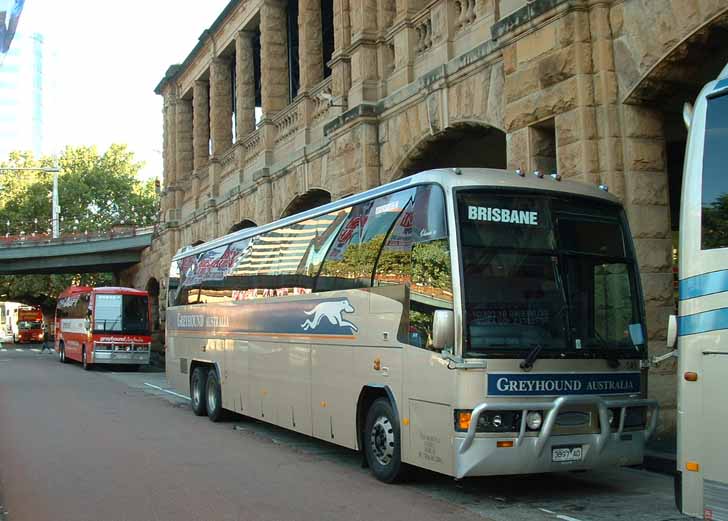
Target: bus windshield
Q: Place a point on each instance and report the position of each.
(29, 325)
(554, 273)
(121, 314)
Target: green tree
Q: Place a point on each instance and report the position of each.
(97, 191)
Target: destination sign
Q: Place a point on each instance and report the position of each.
(552, 384)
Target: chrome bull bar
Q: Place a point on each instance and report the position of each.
(554, 407)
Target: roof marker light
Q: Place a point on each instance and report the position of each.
(519, 172)
(556, 176)
(538, 174)
(604, 188)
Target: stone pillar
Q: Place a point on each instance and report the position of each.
(341, 66)
(273, 57)
(364, 64)
(263, 197)
(168, 152)
(201, 123)
(244, 85)
(221, 106)
(648, 211)
(310, 43)
(184, 139)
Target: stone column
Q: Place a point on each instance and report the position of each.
(310, 44)
(169, 138)
(244, 85)
(364, 65)
(341, 66)
(184, 139)
(221, 106)
(201, 123)
(274, 57)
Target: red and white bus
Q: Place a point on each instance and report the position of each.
(107, 325)
(29, 324)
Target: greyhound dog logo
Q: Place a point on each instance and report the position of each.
(332, 311)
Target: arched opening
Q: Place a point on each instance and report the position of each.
(673, 81)
(245, 223)
(460, 146)
(303, 202)
(153, 290)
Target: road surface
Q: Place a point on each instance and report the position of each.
(116, 446)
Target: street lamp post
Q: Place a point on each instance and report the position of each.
(55, 206)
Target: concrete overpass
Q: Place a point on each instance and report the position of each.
(74, 254)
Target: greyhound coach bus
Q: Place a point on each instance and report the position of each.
(106, 325)
(702, 324)
(472, 322)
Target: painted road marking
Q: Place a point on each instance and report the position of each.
(166, 390)
(559, 516)
(35, 349)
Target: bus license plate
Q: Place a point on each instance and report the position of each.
(566, 454)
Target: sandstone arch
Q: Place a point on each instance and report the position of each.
(464, 144)
(245, 223)
(310, 199)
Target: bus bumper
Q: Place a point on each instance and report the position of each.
(612, 446)
(116, 357)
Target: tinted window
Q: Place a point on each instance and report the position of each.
(715, 180)
(121, 313)
(492, 220)
(595, 237)
(416, 258)
(351, 259)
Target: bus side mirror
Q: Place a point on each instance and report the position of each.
(671, 331)
(443, 329)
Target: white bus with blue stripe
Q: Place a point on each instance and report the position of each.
(469, 321)
(701, 329)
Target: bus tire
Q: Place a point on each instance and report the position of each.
(381, 440)
(62, 353)
(197, 391)
(214, 397)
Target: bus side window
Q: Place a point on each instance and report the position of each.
(351, 259)
(416, 255)
(714, 183)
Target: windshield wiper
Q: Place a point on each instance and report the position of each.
(531, 357)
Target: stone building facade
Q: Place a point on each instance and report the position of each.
(282, 106)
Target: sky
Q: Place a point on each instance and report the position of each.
(108, 57)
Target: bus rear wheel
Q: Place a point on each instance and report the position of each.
(197, 391)
(214, 397)
(381, 440)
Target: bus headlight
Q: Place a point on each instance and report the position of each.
(534, 420)
(496, 421)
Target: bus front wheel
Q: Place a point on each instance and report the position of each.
(381, 441)
(197, 391)
(214, 397)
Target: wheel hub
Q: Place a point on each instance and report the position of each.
(382, 440)
(196, 393)
(211, 399)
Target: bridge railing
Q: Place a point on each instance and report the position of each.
(44, 239)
